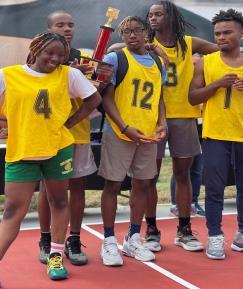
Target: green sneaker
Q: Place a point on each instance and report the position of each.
(55, 268)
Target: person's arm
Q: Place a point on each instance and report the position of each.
(162, 124)
(198, 92)
(80, 87)
(202, 46)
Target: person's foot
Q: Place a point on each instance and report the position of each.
(55, 268)
(133, 247)
(237, 244)
(215, 247)
(73, 251)
(174, 210)
(45, 248)
(199, 211)
(152, 241)
(109, 252)
(186, 239)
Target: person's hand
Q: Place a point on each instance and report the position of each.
(3, 133)
(84, 68)
(106, 70)
(238, 84)
(137, 136)
(159, 51)
(227, 80)
(160, 133)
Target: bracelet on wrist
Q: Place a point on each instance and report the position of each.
(125, 128)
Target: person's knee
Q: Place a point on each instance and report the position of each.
(112, 187)
(13, 210)
(58, 203)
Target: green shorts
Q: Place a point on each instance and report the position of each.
(59, 167)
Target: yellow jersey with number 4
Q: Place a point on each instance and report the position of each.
(219, 122)
(137, 97)
(179, 76)
(36, 109)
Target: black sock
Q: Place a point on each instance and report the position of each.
(184, 222)
(151, 225)
(74, 233)
(46, 235)
(108, 232)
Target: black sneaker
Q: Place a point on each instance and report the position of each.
(45, 248)
(186, 240)
(73, 251)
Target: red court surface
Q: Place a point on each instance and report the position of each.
(174, 268)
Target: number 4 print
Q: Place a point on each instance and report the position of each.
(42, 105)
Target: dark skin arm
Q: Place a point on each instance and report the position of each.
(202, 46)
(111, 109)
(162, 125)
(199, 93)
(89, 104)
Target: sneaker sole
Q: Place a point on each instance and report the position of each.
(137, 257)
(76, 263)
(236, 248)
(215, 257)
(107, 263)
(188, 248)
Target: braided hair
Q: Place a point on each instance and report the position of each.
(176, 26)
(42, 40)
(229, 15)
(128, 20)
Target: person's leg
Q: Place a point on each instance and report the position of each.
(18, 197)
(196, 180)
(216, 163)
(45, 222)
(116, 157)
(237, 244)
(84, 165)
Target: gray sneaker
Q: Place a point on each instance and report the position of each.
(237, 244)
(73, 251)
(186, 240)
(45, 248)
(215, 248)
(152, 242)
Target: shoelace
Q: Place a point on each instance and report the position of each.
(75, 245)
(55, 263)
(217, 242)
(111, 248)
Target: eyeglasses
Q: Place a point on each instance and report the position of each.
(135, 31)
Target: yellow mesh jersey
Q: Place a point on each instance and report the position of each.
(36, 109)
(218, 122)
(80, 131)
(137, 97)
(179, 76)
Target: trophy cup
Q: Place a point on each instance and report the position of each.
(101, 43)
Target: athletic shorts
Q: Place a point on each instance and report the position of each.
(182, 138)
(119, 157)
(59, 167)
(83, 161)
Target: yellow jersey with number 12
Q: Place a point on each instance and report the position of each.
(137, 97)
(219, 122)
(36, 109)
(179, 76)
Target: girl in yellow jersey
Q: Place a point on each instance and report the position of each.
(168, 32)
(136, 121)
(218, 83)
(37, 105)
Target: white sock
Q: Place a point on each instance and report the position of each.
(57, 248)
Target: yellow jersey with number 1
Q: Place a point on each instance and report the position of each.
(179, 76)
(219, 122)
(36, 109)
(137, 97)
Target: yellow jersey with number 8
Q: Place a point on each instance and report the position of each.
(36, 109)
(179, 76)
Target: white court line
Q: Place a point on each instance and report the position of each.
(149, 264)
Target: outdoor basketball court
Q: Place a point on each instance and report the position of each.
(174, 268)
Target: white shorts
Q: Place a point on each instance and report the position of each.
(83, 161)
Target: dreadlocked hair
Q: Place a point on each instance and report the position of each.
(176, 25)
(42, 40)
(229, 15)
(128, 20)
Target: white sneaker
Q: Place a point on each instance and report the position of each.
(133, 247)
(215, 248)
(110, 253)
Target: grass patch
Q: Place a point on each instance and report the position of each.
(163, 187)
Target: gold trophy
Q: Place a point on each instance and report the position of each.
(102, 42)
